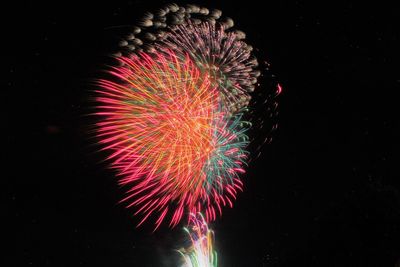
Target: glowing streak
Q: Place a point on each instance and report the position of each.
(201, 252)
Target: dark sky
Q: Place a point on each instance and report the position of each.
(325, 192)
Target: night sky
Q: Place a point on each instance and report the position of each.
(325, 192)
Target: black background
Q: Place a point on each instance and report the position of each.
(325, 192)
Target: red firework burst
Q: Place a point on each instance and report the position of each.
(172, 143)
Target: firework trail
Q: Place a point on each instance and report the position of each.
(201, 252)
(172, 114)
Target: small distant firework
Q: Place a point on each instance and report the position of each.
(201, 252)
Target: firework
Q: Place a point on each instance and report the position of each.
(173, 143)
(222, 54)
(201, 252)
(173, 115)
(211, 42)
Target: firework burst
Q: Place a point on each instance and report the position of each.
(172, 115)
(210, 40)
(173, 144)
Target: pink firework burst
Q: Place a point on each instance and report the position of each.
(171, 141)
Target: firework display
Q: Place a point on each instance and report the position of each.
(172, 114)
(175, 116)
(201, 252)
